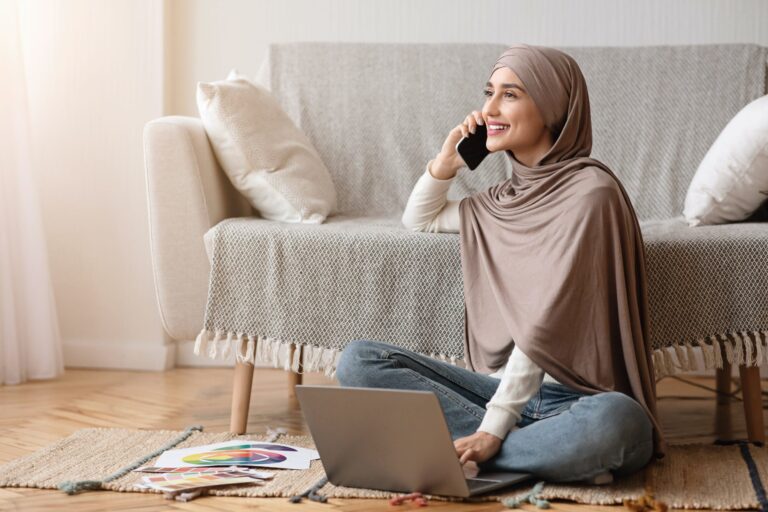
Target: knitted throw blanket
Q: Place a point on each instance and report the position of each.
(274, 285)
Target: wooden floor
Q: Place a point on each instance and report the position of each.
(35, 414)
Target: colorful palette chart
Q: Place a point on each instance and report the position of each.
(213, 469)
(241, 454)
(182, 482)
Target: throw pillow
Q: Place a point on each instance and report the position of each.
(265, 155)
(732, 180)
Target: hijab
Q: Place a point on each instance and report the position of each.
(553, 259)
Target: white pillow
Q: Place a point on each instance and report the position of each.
(732, 179)
(264, 154)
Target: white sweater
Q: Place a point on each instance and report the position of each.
(428, 209)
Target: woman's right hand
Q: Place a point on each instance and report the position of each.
(448, 161)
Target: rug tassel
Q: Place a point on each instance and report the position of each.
(312, 493)
(531, 496)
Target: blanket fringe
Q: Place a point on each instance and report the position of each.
(739, 348)
(264, 349)
(748, 348)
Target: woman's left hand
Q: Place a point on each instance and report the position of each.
(479, 447)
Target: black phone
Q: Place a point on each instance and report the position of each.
(472, 148)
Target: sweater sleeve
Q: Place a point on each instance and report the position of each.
(521, 380)
(428, 208)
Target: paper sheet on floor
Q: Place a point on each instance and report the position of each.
(239, 453)
(186, 482)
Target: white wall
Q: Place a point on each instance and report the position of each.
(95, 75)
(210, 37)
(100, 70)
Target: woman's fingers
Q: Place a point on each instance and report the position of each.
(471, 122)
(466, 455)
(469, 125)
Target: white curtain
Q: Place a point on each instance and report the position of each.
(30, 342)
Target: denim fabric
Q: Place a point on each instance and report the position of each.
(563, 435)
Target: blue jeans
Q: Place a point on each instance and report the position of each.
(564, 435)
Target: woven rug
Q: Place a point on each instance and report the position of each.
(691, 476)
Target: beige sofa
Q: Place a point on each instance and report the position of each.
(189, 196)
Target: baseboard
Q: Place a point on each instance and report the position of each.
(119, 356)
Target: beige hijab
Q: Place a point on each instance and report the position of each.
(553, 258)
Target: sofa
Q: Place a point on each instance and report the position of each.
(293, 294)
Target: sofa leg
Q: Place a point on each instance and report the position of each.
(753, 403)
(723, 383)
(294, 379)
(723, 427)
(241, 397)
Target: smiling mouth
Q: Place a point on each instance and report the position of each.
(495, 129)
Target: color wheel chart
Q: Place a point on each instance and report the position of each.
(246, 454)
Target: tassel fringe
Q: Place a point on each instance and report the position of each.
(263, 349)
(736, 347)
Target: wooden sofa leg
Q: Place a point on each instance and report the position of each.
(723, 428)
(294, 379)
(723, 383)
(753, 403)
(241, 397)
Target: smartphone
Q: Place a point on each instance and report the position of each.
(472, 148)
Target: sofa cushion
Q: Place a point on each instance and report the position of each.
(267, 158)
(732, 179)
(370, 277)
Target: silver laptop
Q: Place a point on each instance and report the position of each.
(389, 439)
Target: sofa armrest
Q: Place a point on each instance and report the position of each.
(187, 194)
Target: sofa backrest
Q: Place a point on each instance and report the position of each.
(377, 112)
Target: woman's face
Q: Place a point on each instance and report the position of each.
(508, 103)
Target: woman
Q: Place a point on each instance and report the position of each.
(558, 380)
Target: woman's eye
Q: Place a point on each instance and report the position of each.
(508, 94)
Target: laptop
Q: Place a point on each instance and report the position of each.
(390, 439)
